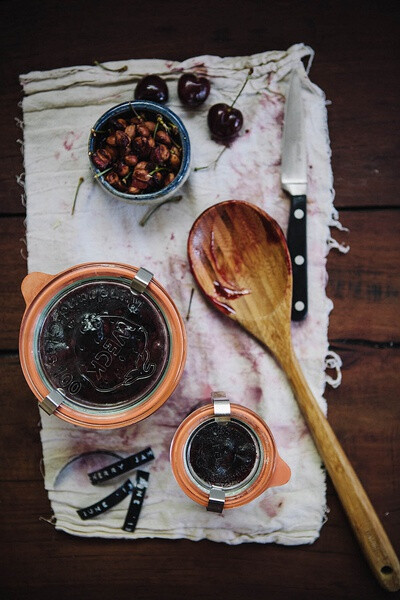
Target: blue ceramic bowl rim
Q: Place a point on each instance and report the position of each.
(186, 152)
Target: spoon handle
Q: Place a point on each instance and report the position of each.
(362, 516)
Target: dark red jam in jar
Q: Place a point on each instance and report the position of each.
(101, 345)
(222, 454)
(94, 350)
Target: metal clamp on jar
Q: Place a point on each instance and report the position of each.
(223, 455)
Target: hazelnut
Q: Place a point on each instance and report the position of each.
(101, 158)
(158, 179)
(119, 123)
(137, 183)
(112, 151)
(163, 137)
(143, 164)
(143, 130)
(122, 169)
(152, 143)
(131, 160)
(174, 162)
(169, 178)
(142, 175)
(112, 177)
(115, 181)
(122, 139)
(176, 150)
(131, 131)
(111, 141)
(160, 154)
(141, 145)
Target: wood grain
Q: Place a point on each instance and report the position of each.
(367, 290)
(13, 269)
(355, 45)
(356, 66)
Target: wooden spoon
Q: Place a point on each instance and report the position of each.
(239, 258)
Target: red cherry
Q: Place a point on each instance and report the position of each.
(193, 90)
(224, 122)
(152, 88)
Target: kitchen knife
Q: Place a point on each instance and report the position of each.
(294, 181)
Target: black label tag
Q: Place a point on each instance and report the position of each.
(106, 503)
(135, 506)
(121, 466)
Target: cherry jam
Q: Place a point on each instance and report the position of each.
(222, 453)
(101, 345)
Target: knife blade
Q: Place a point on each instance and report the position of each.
(294, 182)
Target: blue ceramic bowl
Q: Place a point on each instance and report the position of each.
(123, 110)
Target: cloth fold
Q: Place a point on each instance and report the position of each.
(59, 108)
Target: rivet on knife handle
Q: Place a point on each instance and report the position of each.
(297, 244)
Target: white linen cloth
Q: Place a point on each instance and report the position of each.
(59, 108)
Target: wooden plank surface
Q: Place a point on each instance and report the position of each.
(356, 66)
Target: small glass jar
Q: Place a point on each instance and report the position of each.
(223, 455)
(102, 345)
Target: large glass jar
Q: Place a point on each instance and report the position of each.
(102, 345)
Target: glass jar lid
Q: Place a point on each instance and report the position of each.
(224, 454)
(101, 346)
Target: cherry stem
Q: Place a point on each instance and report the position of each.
(153, 209)
(168, 130)
(250, 73)
(214, 162)
(125, 179)
(134, 112)
(190, 304)
(102, 172)
(162, 122)
(81, 180)
(157, 169)
(120, 70)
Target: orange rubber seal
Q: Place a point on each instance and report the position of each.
(40, 288)
(273, 471)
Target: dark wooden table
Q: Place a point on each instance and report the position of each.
(355, 65)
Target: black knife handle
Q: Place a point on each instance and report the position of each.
(297, 244)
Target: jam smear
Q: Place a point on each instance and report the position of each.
(222, 454)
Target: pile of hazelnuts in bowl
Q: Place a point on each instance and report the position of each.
(140, 152)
